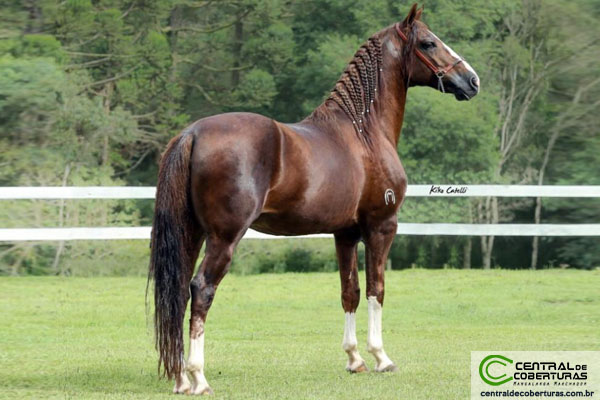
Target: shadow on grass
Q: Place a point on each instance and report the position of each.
(113, 380)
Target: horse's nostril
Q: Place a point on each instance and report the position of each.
(474, 81)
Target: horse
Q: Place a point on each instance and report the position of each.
(337, 171)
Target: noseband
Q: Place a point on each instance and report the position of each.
(440, 72)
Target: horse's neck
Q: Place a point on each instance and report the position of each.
(389, 106)
(391, 99)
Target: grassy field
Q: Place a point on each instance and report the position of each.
(279, 336)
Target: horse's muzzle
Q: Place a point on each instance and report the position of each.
(464, 87)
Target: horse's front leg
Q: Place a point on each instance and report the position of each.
(378, 240)
(346, 245)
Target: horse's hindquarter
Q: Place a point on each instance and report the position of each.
(231, 166)
(316, 184)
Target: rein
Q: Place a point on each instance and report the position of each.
(439, 72)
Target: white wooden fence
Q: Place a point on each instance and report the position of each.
(147, 192)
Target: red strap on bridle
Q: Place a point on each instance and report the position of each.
(438, 71)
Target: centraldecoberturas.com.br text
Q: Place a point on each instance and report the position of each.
(538, 393)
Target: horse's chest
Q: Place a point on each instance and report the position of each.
(384, 188)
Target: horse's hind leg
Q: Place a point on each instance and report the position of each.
(214, 266)
(193, 246)
(228, 187)
(346, 248)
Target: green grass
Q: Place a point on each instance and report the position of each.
(279, 336)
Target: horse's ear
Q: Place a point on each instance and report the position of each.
(419, 12)
(412, 15)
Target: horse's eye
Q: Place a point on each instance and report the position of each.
(427, 45)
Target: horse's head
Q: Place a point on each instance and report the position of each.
(430, 62)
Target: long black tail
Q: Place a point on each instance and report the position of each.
(169, 262)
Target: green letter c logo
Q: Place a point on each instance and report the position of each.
(485, 374)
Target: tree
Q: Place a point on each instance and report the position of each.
(539, 46)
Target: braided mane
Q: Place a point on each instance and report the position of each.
(358, 86)
(355, 90)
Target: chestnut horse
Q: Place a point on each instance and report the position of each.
(337, 171)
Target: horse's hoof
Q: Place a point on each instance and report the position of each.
(183, 386)
(181, 391)
(356, 370)
(389, 368)
(202, 391)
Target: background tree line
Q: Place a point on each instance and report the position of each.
(91, 91)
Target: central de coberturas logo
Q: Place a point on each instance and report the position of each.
(529, 370)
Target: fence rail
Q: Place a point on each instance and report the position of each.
(148, 192)
(430, 191)
(113, 233)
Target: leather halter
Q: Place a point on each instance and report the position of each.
(439, 72)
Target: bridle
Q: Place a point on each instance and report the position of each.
(440, 72)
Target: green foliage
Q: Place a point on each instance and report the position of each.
(462, 20)
(256, 90)
(29, 93)
(323, 67)
(447, 141)
(36, 45)
(276, 256)
(272, 50)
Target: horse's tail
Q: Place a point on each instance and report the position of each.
(172, 230)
